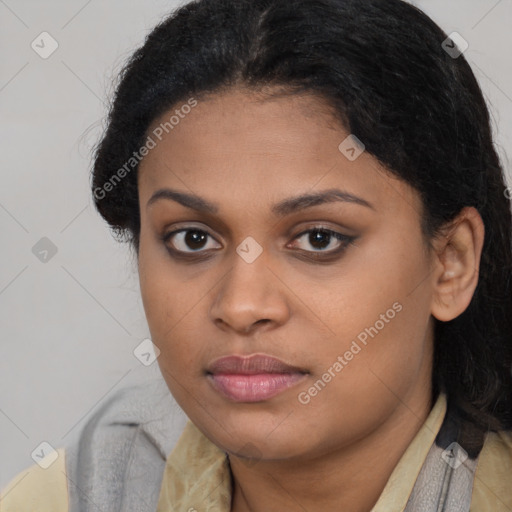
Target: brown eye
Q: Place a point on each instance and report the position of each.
(320, 239)
(188, 240)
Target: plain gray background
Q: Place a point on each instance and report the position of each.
(70, 324)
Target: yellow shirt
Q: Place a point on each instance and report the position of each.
(197, 476)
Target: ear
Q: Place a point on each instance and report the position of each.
(457, 252)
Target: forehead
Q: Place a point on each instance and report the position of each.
(241, 147)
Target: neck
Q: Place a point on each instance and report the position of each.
(353, 475)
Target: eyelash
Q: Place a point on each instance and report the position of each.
(344, 240)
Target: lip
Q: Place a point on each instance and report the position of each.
(252, 378)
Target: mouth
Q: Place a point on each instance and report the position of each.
(252, 378)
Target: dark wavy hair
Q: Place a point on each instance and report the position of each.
(382, 67)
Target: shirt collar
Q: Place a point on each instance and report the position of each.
(197, 474)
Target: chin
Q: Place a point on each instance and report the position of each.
(256, 438)
(261, 449)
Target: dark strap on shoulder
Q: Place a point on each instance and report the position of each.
(445, 481)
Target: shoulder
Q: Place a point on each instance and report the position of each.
(97, 458)
(41, 487)
(492, 488)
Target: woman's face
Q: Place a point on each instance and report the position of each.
(264, 262)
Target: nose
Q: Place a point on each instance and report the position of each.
(250, 297)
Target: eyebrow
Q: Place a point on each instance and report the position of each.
(281, 209)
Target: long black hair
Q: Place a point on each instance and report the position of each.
(383, 68)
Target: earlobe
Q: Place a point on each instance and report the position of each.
(457, 253)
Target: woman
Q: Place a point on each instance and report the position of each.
(323, 238)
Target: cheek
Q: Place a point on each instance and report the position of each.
(382, 356)
(379, 312)
(160, 286)
(171, 303)
(167, 304)
(162, 293)
(166, 316)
